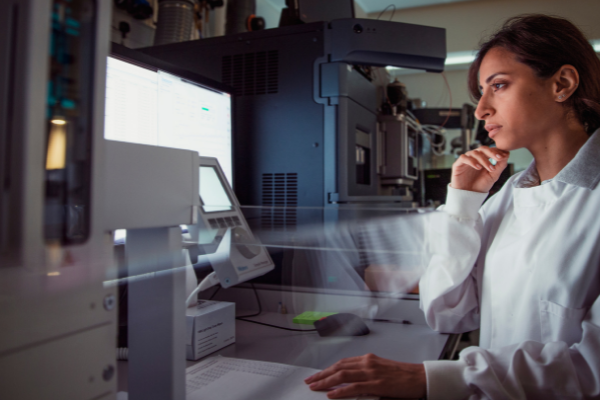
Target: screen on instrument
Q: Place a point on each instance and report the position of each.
(213, 194)
(149, 106)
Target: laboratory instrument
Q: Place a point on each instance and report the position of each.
(58, 319)
(222, 231)
(306, 117)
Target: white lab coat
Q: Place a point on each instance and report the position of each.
(525, 269)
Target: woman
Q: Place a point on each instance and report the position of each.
(524, 267)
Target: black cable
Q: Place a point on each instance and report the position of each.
(242, 318)
(404, 321)
(385, 9)
(215, 292)
(278, 327)
(259, 305)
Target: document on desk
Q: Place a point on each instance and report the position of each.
(219, 378)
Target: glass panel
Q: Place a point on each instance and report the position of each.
(69, 126)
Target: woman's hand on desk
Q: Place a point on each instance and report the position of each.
(473, 170)
(371, 375)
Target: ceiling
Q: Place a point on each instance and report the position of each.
(373, 6)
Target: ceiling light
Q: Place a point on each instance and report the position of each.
(460, 57)
(467, 57)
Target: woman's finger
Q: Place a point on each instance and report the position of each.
(493, 152)
(338, 378)
(470, 161)
(483, 159)
(352, 390)
(338, 366)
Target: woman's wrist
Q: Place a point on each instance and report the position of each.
(463, 203)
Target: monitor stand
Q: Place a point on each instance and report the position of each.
(156, 322)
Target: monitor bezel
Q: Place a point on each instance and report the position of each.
(145, 61)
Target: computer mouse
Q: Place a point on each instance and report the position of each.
(342, 324)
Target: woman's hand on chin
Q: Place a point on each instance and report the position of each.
(371, 375)
(475, 172)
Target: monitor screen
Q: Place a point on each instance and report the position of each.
(213, 194)
(151, 106)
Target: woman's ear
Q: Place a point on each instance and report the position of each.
(565, 82)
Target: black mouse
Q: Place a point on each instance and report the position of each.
(342, 324)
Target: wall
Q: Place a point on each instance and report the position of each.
(466, 24)
(270, 11)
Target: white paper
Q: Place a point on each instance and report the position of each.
(222, 378)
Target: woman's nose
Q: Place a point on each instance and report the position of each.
(483, 110)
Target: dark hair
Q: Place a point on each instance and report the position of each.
(546, 43)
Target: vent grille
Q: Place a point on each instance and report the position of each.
(279, 200)
(225, 222)
(252, 73)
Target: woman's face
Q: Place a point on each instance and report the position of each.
(517, 106)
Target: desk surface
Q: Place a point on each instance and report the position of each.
(396, 341)
(408, 343)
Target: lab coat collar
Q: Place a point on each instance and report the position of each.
(583, 170)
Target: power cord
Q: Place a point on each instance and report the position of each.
(123, 352)
(393, 7)
(209, 281)
(257, 300)
(278, 327)
(215, 293)
(243, 317)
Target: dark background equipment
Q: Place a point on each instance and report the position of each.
(306, 136)
(307, 11)
(306, 118)
(437, 181)
(241, 17)
(175, 21)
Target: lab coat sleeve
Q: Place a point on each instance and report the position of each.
(528, 370)
(448, 287)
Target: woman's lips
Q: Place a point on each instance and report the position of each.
(492, 129)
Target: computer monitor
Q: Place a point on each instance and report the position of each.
(149, 101)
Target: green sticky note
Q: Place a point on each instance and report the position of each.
(309, 317)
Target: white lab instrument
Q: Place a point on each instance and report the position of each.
(54, 253)
(150, 191)
(210, 327)
(235, 254)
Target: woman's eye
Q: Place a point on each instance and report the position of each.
(498, 86)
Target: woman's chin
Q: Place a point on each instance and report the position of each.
(507, 145)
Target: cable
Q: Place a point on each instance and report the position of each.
(209, 281)
(403, 322)
(449, 93)
(243, 317)
(259, 305)
(278, 327)
(428, 131)
(385, 9)
(215, 293)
